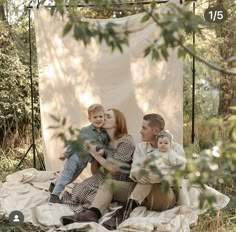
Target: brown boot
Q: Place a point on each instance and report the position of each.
(88, 215)
(131, 204)
(66, 220)
(115, 220)
(120, 215)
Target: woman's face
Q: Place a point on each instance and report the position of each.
(110, 120)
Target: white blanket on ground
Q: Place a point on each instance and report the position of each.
(26, 191)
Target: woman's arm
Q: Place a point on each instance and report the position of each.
(110, 166)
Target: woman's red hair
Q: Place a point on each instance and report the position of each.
(121, 126)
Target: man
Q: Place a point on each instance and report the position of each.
(149, 192)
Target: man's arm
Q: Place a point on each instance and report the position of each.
(178, 149)
(139, 156)
(179, 153)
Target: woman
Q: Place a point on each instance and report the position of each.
(123, 147)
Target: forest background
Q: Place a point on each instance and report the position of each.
(215, 120)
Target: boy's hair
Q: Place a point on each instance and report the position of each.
(163, 134)
(121, 126)
(94, 109)
(155, 120)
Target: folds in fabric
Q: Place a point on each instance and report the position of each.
(72, 77)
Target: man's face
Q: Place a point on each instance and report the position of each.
(148, 133)
(97, 119)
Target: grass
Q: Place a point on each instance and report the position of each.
(26, 227)
(220, 221)
(9, 159)
(225, 219)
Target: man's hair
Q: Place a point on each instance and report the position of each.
(163, 134)
(155, 120)
(121, 126)
(94, 109)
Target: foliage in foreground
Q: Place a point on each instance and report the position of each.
(214, 164)
(221, 221)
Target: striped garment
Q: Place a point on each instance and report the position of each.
(84, 193)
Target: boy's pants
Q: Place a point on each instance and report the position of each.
(72, 169)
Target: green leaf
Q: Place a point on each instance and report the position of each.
(164, 53)
(145, 18)
(143, 173)
(54, 118)
(71, 131)
(147, 51)
(62, 136)
(53, 127)
(67, 28)
(181, 53)
(165, 186)
(155, 54)
(63, 121)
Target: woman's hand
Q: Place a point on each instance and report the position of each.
(109, 165)
(89, 147)
(101, 152)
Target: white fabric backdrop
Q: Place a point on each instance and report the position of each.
(72, 77)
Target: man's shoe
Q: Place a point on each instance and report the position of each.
(51, 187)
(55, 199)
(131, 204)
(66, 220)
(115, 220)
(87, 215)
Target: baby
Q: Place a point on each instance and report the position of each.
(164, 157)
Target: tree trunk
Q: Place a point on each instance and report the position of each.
(2, 13)
(227, 47)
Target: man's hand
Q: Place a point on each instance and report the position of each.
(143, 180)
(153, 178)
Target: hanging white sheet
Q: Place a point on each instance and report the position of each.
(72, 77)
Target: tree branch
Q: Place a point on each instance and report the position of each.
(213, 66)
(189, 51)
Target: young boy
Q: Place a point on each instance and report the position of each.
(78, 160)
